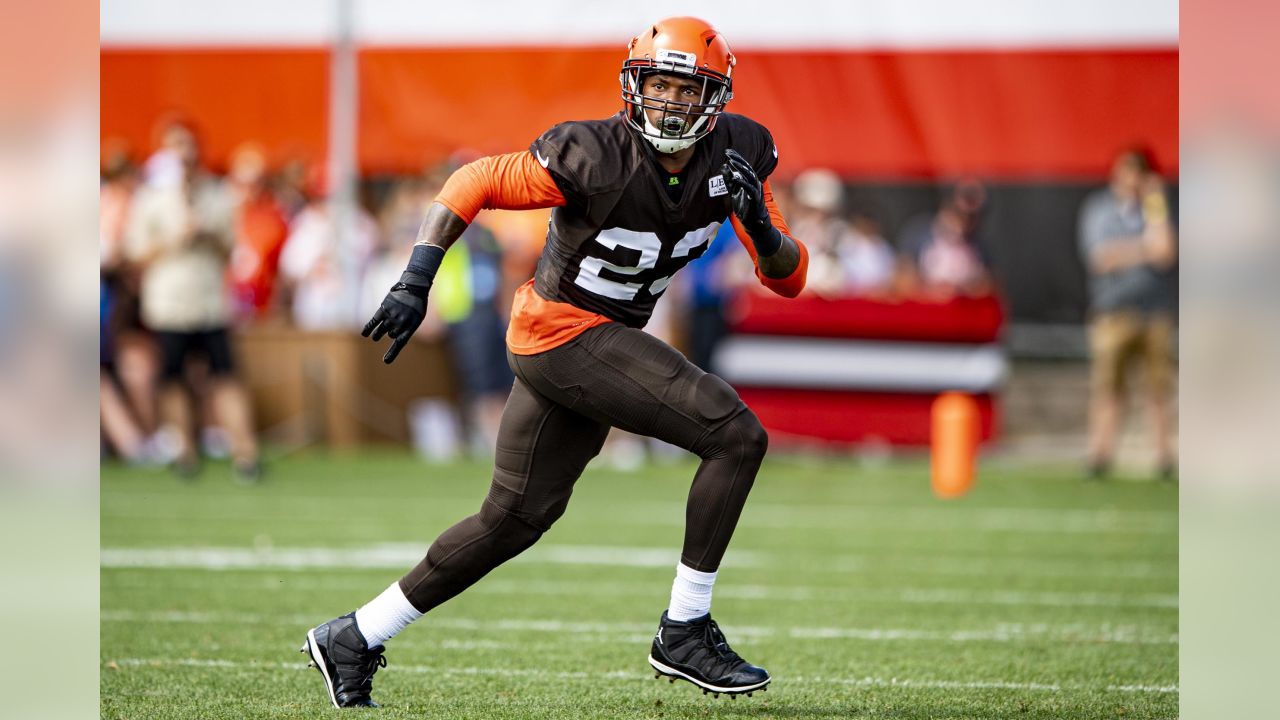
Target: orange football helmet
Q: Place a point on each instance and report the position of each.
(677, 46)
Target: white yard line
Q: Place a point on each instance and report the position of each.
(906, 683)
(613, 632)
(801, 593)
(946, 519)
(947, 596)
(851, 518)
(389, 555)
(968, 565)
(1143, 688)
(403, 556)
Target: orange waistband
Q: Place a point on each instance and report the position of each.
(538, 324)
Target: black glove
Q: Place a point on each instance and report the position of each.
(405, 305)
(746, 194)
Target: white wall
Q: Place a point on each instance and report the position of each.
(747, 23)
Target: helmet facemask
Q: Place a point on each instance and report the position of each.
(680, 124)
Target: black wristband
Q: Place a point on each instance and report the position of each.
(425, 260)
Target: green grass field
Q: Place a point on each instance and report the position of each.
(1037, 596)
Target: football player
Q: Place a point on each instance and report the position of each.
(636, 197)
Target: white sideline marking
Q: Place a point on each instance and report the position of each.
(931, 596)
(1143, 688)
(1001, 633)
(625, 675)
(611, 632)
(1037, 520)
(403, 556)
(934, 564)
(801, 593)
(932, 684)
(389, 555)
(1032, 519)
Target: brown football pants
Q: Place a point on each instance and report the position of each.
(561, 408)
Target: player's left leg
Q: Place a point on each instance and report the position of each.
(542, 448)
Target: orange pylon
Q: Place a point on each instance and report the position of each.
(954, 444)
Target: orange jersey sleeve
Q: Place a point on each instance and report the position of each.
(515, 181)
(791, 285)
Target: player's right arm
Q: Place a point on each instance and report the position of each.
(515, 181)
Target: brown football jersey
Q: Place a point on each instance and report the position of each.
(614, 246)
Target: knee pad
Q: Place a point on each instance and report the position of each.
(509, 527)
(751, 434)
(742, 435)
(538, 512)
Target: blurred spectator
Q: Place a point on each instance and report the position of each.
(942, 255)
(468, 307)
(1128, 243)
(401, 213)
(399, 219)
(290, 187)
(843, 259)
(180, 231)
(322, 272)
(167, 166)
(260, 232)
(470, 299)
(123, 434)
(869, 263)
(125, 353)
(119, 180)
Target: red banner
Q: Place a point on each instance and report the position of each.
(1017, 114)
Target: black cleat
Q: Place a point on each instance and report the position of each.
(697, 651)
(339, 652)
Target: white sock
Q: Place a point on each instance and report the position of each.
(384, 616)
(690, 593)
